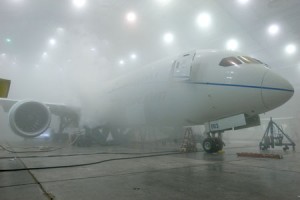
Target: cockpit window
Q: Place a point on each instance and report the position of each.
(249, 60)
(230, 61)
(234, 61)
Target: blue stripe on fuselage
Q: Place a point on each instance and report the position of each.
(237, 85)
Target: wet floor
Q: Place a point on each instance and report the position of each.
(147, 173)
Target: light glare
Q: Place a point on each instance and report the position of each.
(52, 41)
(232, 44)
(79, 3)
(243, 1)
(60, 30)
(133, 56)
(163, 2)
(290, 49)
(17, 1)
(45, 54)
(168, 38)
(273, 29)
(121, 62)
(131, 17)
(204, 20)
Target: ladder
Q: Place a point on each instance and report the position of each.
(189, 142)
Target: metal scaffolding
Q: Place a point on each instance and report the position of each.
(275, 136)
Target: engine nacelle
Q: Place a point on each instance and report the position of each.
(29, 118)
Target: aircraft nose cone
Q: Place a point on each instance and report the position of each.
(275, 90)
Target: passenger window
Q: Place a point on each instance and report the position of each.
(230, 61)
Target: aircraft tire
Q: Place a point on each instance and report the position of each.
(218, 144)
(209, 145)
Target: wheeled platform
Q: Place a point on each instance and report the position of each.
(275, 136)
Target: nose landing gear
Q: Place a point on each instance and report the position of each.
(213, 144)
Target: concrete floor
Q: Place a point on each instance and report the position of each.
(178, 176)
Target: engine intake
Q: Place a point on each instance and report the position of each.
(29, 118)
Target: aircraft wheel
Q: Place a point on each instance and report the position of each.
(209, 145)
(218, 144)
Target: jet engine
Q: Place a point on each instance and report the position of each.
(29, 118)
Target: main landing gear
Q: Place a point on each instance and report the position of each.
(213, 143)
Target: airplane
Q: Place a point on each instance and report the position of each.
(221, 89)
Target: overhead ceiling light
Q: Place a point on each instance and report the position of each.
(131, 17)
(163, 2)
(17, 1)
(273, 29)
(168, 38)
(8, 40)
(290, 49)
(243, 1)
(232, 44)
(79, 3)
(204, 20)
(92, 49)
(60, 30)
(133, 56)
(121, 62)
(52, 41)
(45, 54)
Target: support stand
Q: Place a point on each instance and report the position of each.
(61, 136)
(189, 142)
(274, 136)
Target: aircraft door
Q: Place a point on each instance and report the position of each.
(182, 66)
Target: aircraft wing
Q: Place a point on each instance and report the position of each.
(7, 103)
(56, 109)
(61, 109)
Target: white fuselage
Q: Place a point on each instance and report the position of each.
(192, 89)
(189, 89)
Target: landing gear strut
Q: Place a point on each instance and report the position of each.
(213, 144)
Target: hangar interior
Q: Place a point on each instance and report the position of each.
(63, 52)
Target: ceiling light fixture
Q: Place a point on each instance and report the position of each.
(204, 20)
(243, 1)
(133, 56)
(79, 3)
(232, 44)
(52, 41)
(168, 38)
(131, 17)
(121, 62)
(163, 2)
(290, 49)
(45, 54)
(273, 29)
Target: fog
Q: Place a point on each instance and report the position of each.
(90, 42)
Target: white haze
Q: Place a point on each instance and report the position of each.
(87, 47)
(74, 73)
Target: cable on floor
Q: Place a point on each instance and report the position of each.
(87, 164)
